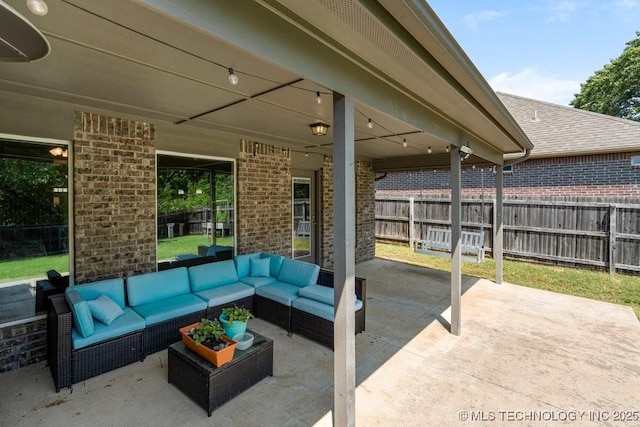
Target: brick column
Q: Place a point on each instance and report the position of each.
(264, 199)
(365, 213)
(114, 197)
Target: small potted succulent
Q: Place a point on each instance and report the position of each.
(234, 320)
(207, 338)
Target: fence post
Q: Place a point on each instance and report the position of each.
(411, 217)
(612, 239)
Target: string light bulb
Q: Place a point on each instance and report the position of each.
(318, 98)
(233, 79)
(447, 148)
(429, 150)
(404, 143)
(370, 124)
(37, 7)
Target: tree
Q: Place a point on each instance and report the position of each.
(615, 89)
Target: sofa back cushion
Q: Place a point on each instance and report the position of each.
(82, 319)
(212, 275)
(243, 263)
(298, 273)
(275, 263)
(156, 286)
(112, 288)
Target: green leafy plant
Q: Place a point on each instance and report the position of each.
(234, 313)
(207, 331)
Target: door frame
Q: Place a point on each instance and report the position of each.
(314, 229)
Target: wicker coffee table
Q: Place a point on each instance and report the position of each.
(211, 387)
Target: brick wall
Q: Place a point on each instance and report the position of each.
(365, 213)
(326, 214)
(23, 344)
(264, 199)
(603, 175)
(114, 197)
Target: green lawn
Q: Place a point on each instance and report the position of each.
(619, 288)
(169, 248)
(32, 267)
(27, 268)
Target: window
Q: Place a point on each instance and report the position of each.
(195, 206)
(635, 160)
(34, 221)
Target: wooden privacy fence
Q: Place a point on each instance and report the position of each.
(549, 231)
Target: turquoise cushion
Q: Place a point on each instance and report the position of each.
(280, 292)
(113, 288)
(129, 322)
(211, 275)
(169, 308)
(82, 319)
(298, 273)
(260, 267)
(320, 293)
(104, 309)
(318, 308)
(150, 287)
(258, 281)
(243, 266)
(276, 263)
(225, 294)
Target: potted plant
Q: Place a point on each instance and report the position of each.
(207, 338)
(234, 320)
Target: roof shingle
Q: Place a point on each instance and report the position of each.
(557, 131)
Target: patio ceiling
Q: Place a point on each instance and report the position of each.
(167, 63)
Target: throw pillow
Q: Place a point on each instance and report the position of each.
(105, 309)
(82, 320)
(260, 267)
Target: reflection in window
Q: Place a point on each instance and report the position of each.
(34, 232)
(195, 207)
(301, 217)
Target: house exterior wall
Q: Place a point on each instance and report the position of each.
(264, 199)
(114, 182)
(23, 344)
(601, 175)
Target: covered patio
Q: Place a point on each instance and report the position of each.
(526, 353)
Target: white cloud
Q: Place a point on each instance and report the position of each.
(561, 11)
(530, 83)
(473, 20)
(626, 5)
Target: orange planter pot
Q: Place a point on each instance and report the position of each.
(218, 358)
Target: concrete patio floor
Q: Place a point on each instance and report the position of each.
(525, 357)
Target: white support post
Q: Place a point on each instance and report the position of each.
(498, 239)
(456, 246)
(344, 369)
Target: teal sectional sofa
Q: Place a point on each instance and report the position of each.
(100, 326)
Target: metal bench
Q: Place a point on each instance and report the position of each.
(438, 243)
(303, 229)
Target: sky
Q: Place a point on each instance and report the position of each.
(540, 49)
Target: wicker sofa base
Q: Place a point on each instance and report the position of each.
(272, 312)
(159, 336)
(107, 356)
(318, 329)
